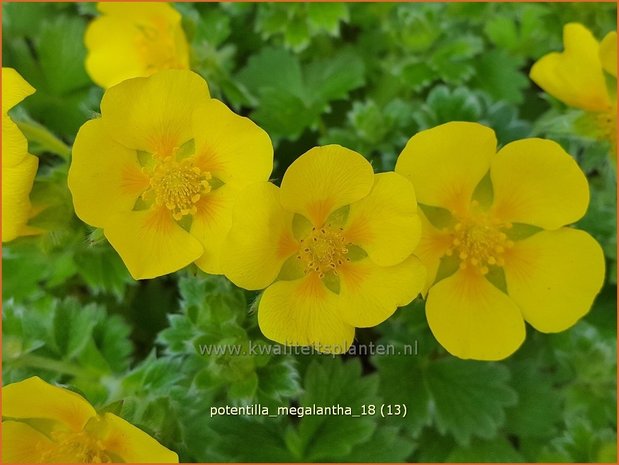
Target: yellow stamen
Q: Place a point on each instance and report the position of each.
(479, 242)
(178, 185)
(323, 250)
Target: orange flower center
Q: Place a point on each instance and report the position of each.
(323, 250)
(70, 447)
(479, 242)
(178, 185)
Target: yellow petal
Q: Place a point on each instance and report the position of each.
(154, 113)
(304, 313)
(105, 177)
(324, 179)
(260, 239)
(131, 444)
(16, 185)
(111, 57)
(574, 76)
(22, 443)
(385, 223)
(472, 319)
(536, 182)
(608, 53)
(134, 39)
(211, 225)
(433, 245)
(150, 243)
(34, 398)
(14, 89)
(369, 294)
(232, 148)
(14, 144)
(554, 277)
(446, 163)
(140, 11)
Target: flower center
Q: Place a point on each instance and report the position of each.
(75, 448)
(479, 242)
(178, 185)
(607, 126)
(323, 250)
(156, 44)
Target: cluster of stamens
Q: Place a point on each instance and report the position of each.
(607, 125)
(479, 243)
(80, 447)
(323, 250)
(157, 47)
(178, 185)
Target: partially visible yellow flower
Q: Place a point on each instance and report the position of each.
(18, 166)
(133, 39)
(576, 76)
(42, 423)
(494, 238)
(160, 171)
(332, 247)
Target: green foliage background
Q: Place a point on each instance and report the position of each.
(367, 76)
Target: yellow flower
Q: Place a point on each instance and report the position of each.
(494, 239)
(134, 39)
(18, 166)
(332, 246)
(42, 423)
(576, 76)
(160, 170)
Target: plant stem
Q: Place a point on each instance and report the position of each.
(35, 361)
(42, 136)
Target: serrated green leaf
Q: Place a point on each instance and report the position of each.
(499, 74)
(469, 397)
(73, 326)
(332, 382)
(402, 382)
(333, 78)
(258, 74)
(496, 450)
(327, 16)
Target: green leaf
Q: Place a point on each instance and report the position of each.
(452, 59)
(538, 411)
(581, 443)
(258, 74)
(283, 113)
(469, 397)
(444, 104)
(62, 53)
(73, 326)
(103, 270)
(241, 439)
(496, 450)
(333, 78)
(327, 16)
(385, 445)
(500, 75)
(332, 382)
(402, 382)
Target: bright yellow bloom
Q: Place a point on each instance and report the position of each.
(332, 246)
(160, 170)
(494, 238)
(576, 76)
(134, 39)
(42, 423)
(18, 166)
